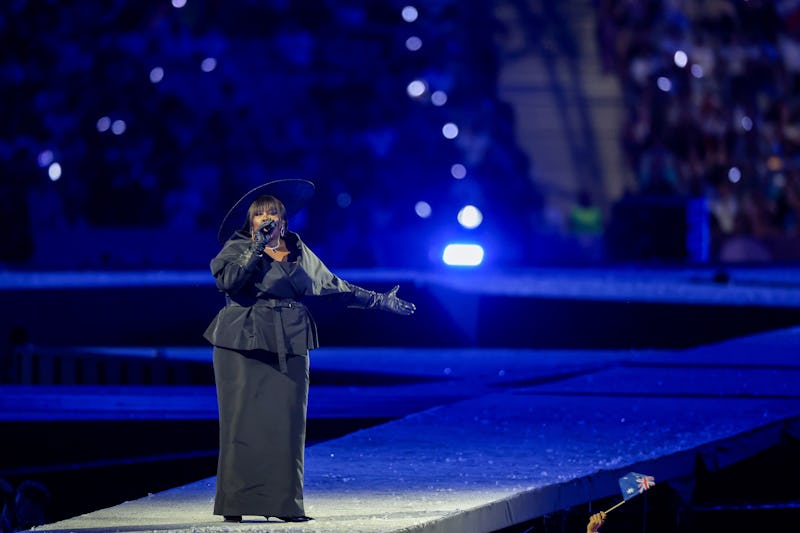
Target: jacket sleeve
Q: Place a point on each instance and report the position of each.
(323, 281)
(234, 266)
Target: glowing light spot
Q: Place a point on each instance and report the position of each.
(54, 171)
(747, 123)
(462, 254)
(409, 13)
(458, 171)
(664, 84)
(423, 209)
(416, 88)
(156, 74)
(413, 43)
(697, 71)
(774, 163)
(103, 123)
(470, 217)
(45, 158)
(177, 4)
(208, 64)
(450, 130)
(439, 98)
(118, 127)
(734, 175)
(680, 58)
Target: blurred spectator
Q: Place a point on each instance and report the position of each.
(586, 226)
(742, 246)
(31, 505)
(585, 217)
(6, 506)
(658, 172)
(710, 91)
(148, 107)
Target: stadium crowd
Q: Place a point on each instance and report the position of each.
(711, 92)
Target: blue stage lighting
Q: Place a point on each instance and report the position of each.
(458, 171)
(410, 13)
(470, 217)
(413, 43)
(103, 124)
(416, 88)
(681, 58)
(54, 171)
(450, 130)
(439, 98)
(423, 209)
(118, 127)
(462, 254)
(156, 74)
(208, 64)
(45, 158)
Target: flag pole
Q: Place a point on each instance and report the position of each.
(617, 505)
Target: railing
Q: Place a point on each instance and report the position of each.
(38, 365)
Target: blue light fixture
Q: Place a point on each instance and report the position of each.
(462, 254)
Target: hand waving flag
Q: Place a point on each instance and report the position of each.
(632, 484)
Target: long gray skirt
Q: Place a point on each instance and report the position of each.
(262, 432)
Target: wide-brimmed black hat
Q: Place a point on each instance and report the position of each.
(293, 193)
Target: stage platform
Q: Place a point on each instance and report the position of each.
(581, 308)
(481, 439)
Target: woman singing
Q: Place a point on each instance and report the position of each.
(261, 338)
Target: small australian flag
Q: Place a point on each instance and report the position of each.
(632, 484)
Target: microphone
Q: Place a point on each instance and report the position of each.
(267, 227)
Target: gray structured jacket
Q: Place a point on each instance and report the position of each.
(262, 308)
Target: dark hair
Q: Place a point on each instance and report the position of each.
(260, 205)
(34, 491)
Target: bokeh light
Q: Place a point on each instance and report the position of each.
(423, 209)
(450, 130)
(54, 171)
(413, 43)
(156, 74)
(680, 58)
(103, 124)
(409, 13)
(439, 98)
(118, 127)
(45, 158)
(208, 64)
(459, 254)
(470, 217)
(458, 171)
(416, 88)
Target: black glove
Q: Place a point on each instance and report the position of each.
(387, 301)
(249, 258)
(262, 236)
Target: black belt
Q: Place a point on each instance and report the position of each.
(271, 303)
